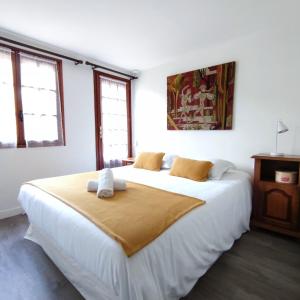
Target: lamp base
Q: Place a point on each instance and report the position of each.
(276, 154)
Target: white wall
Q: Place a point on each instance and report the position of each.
(20, 165)
(266, 89)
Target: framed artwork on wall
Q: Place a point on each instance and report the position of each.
(201, 99)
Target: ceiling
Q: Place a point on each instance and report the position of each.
(137, 34)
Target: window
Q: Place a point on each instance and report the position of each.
(31, 99)
(112, 119)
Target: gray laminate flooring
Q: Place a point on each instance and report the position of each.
(260, 265)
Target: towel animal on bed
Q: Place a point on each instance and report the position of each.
(106, 184)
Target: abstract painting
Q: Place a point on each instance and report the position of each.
(201, 99)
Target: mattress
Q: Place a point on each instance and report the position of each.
(165, 269)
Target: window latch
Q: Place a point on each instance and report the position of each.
(101, 132)
(21, 118)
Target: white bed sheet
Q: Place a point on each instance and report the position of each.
(165, 269)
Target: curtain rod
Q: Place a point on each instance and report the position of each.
(108, 69)
(77, 61)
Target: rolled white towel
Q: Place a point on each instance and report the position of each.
(119, 185)
(105, 183)
(92, 186)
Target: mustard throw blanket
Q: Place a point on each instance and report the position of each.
(134, 217)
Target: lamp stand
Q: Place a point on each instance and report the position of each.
(276, 145)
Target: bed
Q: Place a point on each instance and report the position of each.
(165, 269)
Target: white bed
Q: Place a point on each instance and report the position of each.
(165, 269)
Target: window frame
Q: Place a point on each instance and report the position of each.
(20, 128)
(97, 107)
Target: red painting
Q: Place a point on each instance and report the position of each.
(201, 99)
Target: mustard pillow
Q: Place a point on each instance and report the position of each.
(149, 160)
(192, 169)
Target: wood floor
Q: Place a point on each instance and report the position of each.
(259, 266)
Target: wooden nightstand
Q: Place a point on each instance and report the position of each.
(128, 161)
(276, 205)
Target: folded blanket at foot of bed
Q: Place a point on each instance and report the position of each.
(134, 217)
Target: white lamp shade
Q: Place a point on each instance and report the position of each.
(281, 127)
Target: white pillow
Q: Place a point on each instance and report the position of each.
(168, 161)
(219, 168)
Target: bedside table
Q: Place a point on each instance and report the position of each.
(128, 161)
(276, 206)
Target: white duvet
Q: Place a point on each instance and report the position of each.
(165, 269)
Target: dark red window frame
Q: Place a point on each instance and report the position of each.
(21, 142)
(97, 97)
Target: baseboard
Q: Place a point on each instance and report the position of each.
(11, 212)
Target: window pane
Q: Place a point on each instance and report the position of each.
(32, 104)
(40, 99)
(8, 131)
(37, 125)
(38, 73)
